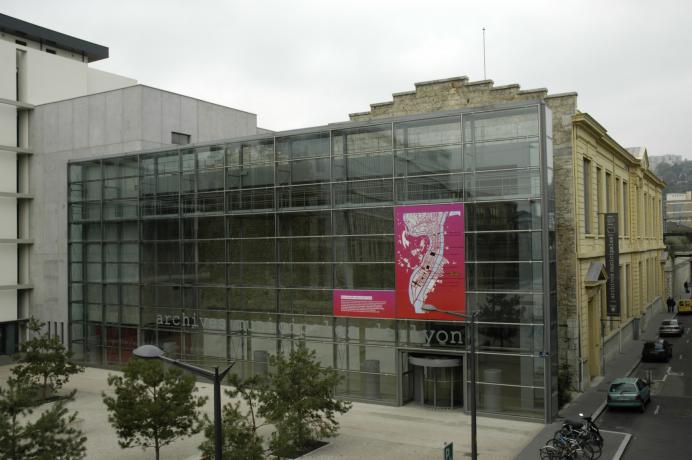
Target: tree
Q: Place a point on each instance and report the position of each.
(43, 362)
(300, 401)
(676, 176)
(240, 438)
(153, 405)
(51, 436)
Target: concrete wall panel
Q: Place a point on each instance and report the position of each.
(80, 120)
(114, 117)
(52, 78)
(8, 125)
(99, 81)
(8, 305)
(49, 141)
(152, 101)
(8, 172)
(8, 78)
(170, 116)
(8, 223)
(189, 118)
(64, 127)
(97, 119)
(132, 114)
(8, 264)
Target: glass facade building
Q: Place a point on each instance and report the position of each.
(232, 251)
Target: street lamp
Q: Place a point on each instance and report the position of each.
(472, 364)
(154, 352)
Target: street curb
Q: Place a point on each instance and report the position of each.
(599, 410)
(308, 454)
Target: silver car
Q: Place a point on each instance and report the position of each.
(670, 327)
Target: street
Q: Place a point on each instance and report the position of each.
(663, 430)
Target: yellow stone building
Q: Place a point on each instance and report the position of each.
(611, 179)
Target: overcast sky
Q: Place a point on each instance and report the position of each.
(303, 63)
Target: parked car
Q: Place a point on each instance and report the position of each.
(670, 327)
(629, 392)
(684, 306)
(657, 350)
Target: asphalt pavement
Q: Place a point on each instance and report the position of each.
(663, 430)
(592, 401)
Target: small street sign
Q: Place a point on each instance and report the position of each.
(448, 451)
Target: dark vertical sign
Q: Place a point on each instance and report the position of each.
(612, 264)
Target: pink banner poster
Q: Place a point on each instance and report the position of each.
(429, 244)
(366, 304)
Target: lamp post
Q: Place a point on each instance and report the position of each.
(472, 373)
(154, 352)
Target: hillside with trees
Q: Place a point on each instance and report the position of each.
(678, 177)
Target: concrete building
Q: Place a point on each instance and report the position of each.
(38, 66)
(593, 175)
(679, 208)
(55, 107)
(678, 239)
(655, 160)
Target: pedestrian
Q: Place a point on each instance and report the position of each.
(671, 305)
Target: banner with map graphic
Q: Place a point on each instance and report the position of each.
(429, 244)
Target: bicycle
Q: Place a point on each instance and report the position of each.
(586, 431)
(564, 448)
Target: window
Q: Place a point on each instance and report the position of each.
(646, 214)
(20, 42)
(599, 201)
(180, 138)
(50, 51)
(587, 196)
(608, 192)
(625, 209)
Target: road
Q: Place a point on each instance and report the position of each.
(664, 430)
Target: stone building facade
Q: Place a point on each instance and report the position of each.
(611, 179)
(582, 327)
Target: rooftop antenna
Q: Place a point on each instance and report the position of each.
(484, 76)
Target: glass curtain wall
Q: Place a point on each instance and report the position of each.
(232, 251)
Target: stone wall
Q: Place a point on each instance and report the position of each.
(459, 92)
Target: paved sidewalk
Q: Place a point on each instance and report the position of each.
(368, 431)
(592, 401)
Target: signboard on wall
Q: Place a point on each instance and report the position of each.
(429, 258)
(363, 303)
(612, 264)
(429, 252)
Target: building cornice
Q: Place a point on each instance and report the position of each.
(585, 121)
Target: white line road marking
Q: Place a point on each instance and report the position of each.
(680, 357)
(664, 378)
(622, 447)
(687, 331)
(668, 370)
(687, 341)
(658, 407)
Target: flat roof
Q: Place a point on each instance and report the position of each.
(50, 37)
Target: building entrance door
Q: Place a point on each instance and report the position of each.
(594, 339)
(436, 381)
